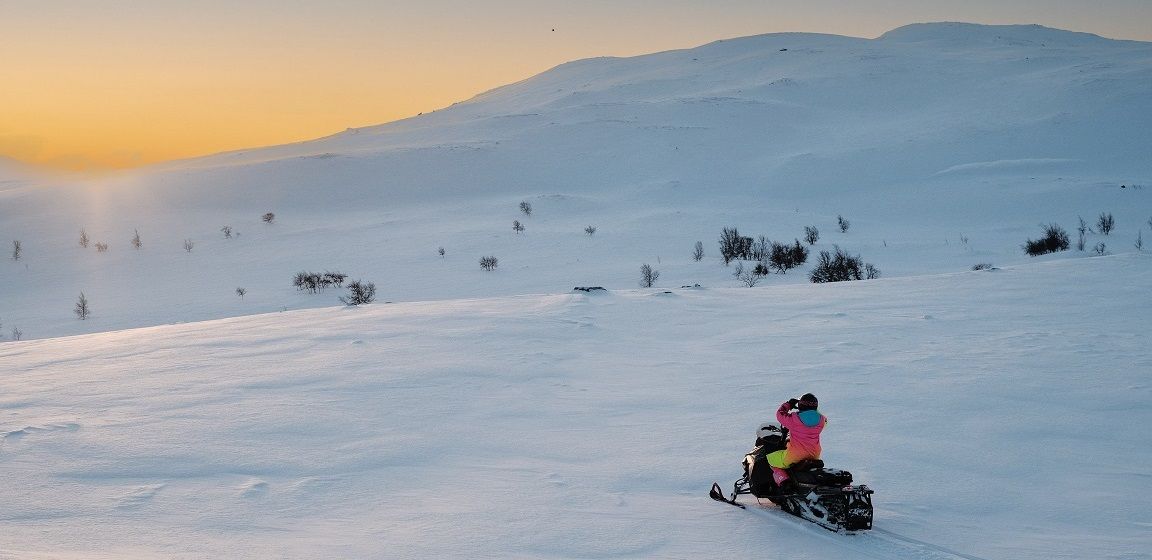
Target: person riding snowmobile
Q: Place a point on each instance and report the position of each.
(804, 427)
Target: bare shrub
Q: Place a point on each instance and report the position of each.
(489, 263)
(526, 208)
(315, 282)
(1100, 249)
(84, 239)
(590, 230)
(82, 310)
(1105, 223)
(334, 279)
(840, 221)
(268, 217)
(1055, 239)
(752, 276)
(786, 257)
(517, 226)
(17, 334)
(698, 251)
(101, 247)
(17, 249)
(240, 292)
(188, 245)
(227, 231)
(359, 293)
(1139, 240)
(811, 234)
(648, 276)
(136, 244)
(840, 266)
(982, 266)
(441, 251)
(734, 246)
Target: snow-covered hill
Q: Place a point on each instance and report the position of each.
(998, 414)
(944, 145)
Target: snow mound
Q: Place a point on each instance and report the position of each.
(956, 33)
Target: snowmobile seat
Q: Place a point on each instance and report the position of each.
(807, 465)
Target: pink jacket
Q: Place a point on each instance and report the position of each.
(804, 429)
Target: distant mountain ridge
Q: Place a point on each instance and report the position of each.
(741, 69)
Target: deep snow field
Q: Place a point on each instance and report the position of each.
(997, 413)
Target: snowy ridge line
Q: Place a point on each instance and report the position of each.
(894, 544)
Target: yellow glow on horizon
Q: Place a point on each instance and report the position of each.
(105, 84)
(77, 118)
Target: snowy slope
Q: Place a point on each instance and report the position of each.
(998, 414)
(945, 145)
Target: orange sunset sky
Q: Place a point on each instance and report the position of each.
(93, 85)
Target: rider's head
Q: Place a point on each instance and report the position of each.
(808, 402)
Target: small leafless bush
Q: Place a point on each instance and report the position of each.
(786, 257)
(489, 263)
(440, 251)
(268, 217)
(1100, 249)
(517, 226)
(17, 249)
(761, 249)
(315, 282)
(648, 276)
(734, 246)
(1055, 239)
(811, 234)
(84, 239)
(752, 276)
(840, 221)
(1105, 223)
(82, 310)
(840, 266)
(698, 251)
(17, 334)
(101, 247)
(227, 231)
(188, 245)
(359, 293)
(136, 244)
(982, 266)
(240, 292)
(590, 230)
(526, 208)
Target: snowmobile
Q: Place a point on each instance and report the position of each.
(822, 495)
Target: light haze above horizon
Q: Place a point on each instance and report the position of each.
(94, 85)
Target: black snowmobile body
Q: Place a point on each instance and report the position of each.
(822, 495)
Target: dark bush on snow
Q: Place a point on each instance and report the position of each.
(359, 293)
(1055, 239)
(734, 246)
(841, 267)
(315, 282)
(785, 257)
